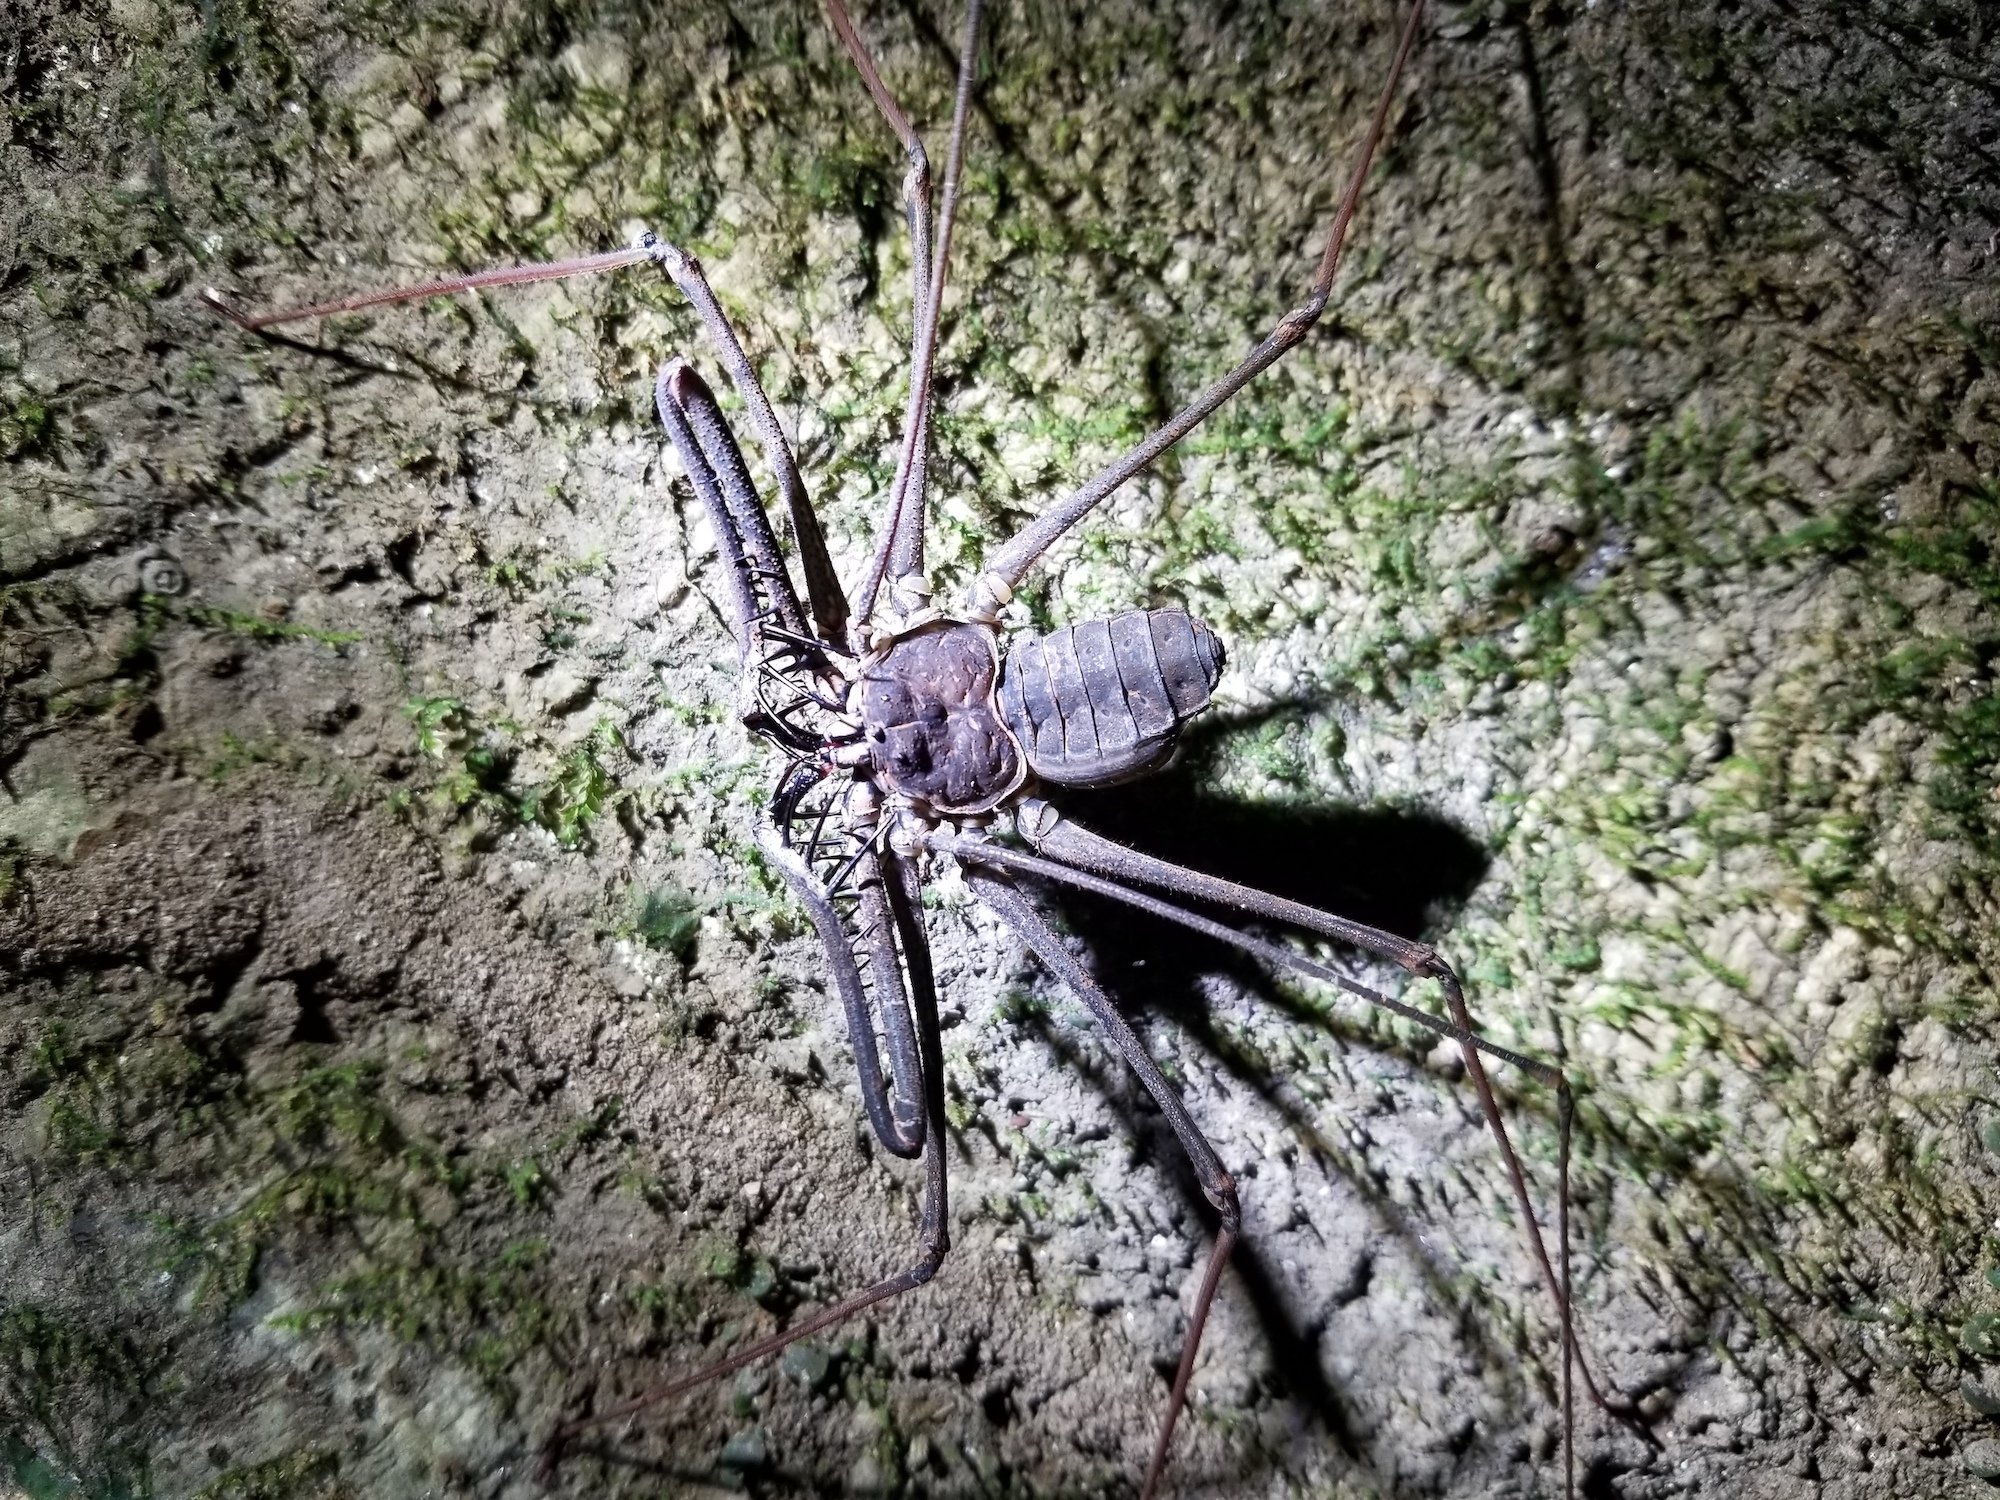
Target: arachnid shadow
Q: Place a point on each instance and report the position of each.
(1395, 868)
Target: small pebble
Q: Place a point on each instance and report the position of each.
(1983, 1458)
(807, 1364)
(747, 1450)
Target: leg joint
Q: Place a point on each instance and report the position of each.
(1221, 1194)
(928, 1267)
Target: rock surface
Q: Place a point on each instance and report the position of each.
(403, 1048)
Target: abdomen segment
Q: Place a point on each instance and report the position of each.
(1103, 701)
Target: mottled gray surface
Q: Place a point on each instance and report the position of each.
(402, 1046)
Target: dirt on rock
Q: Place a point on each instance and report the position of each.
(377, 1175)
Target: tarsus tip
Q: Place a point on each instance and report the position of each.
(213, 298)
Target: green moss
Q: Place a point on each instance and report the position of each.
(113, 1474)
(258, 628)
(668, 919)
(235, 755)
(44, 1352)
(663, 1306)
(339, 1104)
(439, 722)
(593, 1127)
(526, 1182)
(580, 791)
(26, 427)
(331, 1164)
(293, 1476)
(351, 1163)
(475, 759)
(488, 1318)
(107, 1099)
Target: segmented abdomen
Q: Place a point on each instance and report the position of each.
(1102, 702)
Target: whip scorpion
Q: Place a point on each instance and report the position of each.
(911, 734)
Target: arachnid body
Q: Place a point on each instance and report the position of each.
(912, 733)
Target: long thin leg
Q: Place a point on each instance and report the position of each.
(981, 851)
(1069, 842)
(907, 556)
(999, 893)
(548, 270)
(899, 549)
(840, 1312)
(1005, 568)
(986, 852)
(917, 210)
(934, 1231)
(829, 604)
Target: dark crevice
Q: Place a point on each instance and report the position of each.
(314, 987)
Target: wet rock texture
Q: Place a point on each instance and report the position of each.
(403, 1048)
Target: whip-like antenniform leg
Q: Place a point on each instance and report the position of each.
(998, 892)
(899, 550)
(912, 462)
(1005, 568)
